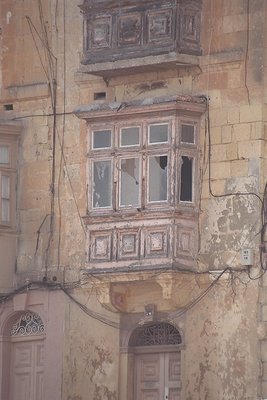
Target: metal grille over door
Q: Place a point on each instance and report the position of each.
(158, 334)
(28, 324)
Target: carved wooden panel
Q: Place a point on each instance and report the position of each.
(99, 32)
(137, 28)
(160, 25)
(148, 243)
(101, 246)
(156, 242)
(186, 241)
(128, 244)
(189, 36)
(129, 29)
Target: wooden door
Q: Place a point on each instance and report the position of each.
(157, 376)
(27, 370)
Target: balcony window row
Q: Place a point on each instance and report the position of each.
(142, 165)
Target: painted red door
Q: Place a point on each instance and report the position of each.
(157, 376)
(27, 370)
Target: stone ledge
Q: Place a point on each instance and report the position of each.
(25, 92)
(112, 69)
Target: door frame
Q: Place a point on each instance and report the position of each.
(21, 339)
(139, 350)
(130, 325)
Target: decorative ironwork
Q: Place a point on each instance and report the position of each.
(28, 324)
(158, 334)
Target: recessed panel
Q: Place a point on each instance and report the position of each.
(159, 25)
(128, 244)
(129, 30)
(100, 246)
(156, 242)
(100, 33)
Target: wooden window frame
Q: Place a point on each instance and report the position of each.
(174, 148)
(9, 136)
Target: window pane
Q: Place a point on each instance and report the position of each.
(158, 133)
(102, 139)
(5, 210)
(102, 184)
(4, 155)
(5, 187)
(186, 193)
(129, 193)
(130, 136)
(188, 133)
(158, 178)
(5, 198)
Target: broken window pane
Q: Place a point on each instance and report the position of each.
(186, 192)
(102, 139)
(129, 193)
(130, 136)
(5, 198)
(4, 155)
(102, 184)
(158, 133)
(188, 134)
(158, 178)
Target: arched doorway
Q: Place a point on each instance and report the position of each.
(157, 362)
(26, 379)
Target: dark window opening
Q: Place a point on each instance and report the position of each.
(100, 96)
(8, 107)
(186, 193)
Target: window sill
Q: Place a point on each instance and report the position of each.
(184, 210)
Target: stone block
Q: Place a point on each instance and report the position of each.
(218, 117)
(218, 80)
(220, 170)
(239, 168)
(236, 96)
(218, 187)
(251, 149)
(227, 133)
(241, 132)
(235, 78)
(234, 23)
(231, 151)
(257, 131)
(251, 113)
(218, 152)
(234, 7)
(216, 135)
(233, 115)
